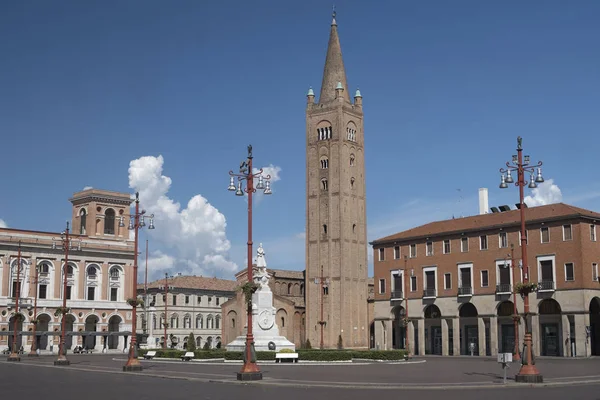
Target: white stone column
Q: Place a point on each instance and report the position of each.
(388, 334)
(494, 335)
(411, 337)
(421, 325)
(444, 323)
(535, 334)
(565, 336)
(582, 343)
(481, 335)
(456, 336)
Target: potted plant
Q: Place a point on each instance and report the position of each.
(134, 302)
(525, 288)
(61, 311)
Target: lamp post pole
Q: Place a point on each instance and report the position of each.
(136, 222)
(406, 303)
(250, 370)
(517, 356)
(33, 352)
(67, 245)
(528, 372)
(165, 323)
(14, 355)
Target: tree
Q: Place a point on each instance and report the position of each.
(307, 344)
(340, 343)
(191, 342)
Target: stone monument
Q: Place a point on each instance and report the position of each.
(264, 326)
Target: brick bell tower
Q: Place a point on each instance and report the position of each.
(336, 230)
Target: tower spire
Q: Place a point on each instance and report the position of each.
(334, 71)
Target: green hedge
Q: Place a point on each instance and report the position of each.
(303, 354)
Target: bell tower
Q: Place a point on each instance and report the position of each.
(336, 231)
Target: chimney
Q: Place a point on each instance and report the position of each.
(483, 201)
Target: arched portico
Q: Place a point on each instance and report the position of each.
(91, 325)
(42, 327)
(550, 328)
(506, 327)
(398, 328)
(15, 323)
(114, 324)
(69, 325)
(595, 326)
(469, 329)
(433, 330)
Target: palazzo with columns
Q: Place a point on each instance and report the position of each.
(457, 278)
(99, 274)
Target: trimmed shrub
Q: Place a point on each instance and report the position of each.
(191, 342)
(286, 351)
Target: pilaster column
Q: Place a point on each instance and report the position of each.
(421, 325)
(566, 336)
(444, 323)
(582, 344)
(456, 336)
(535, 335)
(481, 335)
(494, 335)
(411, 337)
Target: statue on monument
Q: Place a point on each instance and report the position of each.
(262, 276)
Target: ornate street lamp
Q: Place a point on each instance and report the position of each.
(136, 221)
(528, 372)
(67, 245)
(250, 370)
(17, 317)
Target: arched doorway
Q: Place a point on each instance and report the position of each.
(18, 327)
(506, 327)
(91, 325)
(42, 331)
(398, 328)
(595, 326)
(69, 325)
(550, 328)
(114, 324)
(433, 330)
(469, 329)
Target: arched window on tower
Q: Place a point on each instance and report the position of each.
(325, 229)
(82, 221)
(351, 134)
(109, 222)
(324, 185)
(324, 133)
(324, 163)
(352, 160)
(352, 183)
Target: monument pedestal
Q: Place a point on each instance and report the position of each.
(264, 326)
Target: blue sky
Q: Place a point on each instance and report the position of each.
(88, 87)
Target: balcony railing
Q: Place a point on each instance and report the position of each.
(429, 292)
(503, 288)
(397, 294)
(465, 291)
(545, 286)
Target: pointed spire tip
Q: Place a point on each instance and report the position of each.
(333, 14)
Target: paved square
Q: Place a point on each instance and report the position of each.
(101, 377)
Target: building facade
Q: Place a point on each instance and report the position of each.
(336, 231)
(99, 278)
(193, 305)
(457, 277)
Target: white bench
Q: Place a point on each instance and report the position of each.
(150, 355)
(187, 356)
(280, 357)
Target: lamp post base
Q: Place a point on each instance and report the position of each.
(33, 354)
(13, 357)
(249, 376)
(133, 365)
(62, 361)
(525, 378)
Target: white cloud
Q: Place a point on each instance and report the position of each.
(546, 193)
(301, 235)
(274, 173)
(193, 239)
(3, 224)
(87, 188)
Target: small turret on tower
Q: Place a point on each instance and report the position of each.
(339, 92)
(310, 96)
(358, 99)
